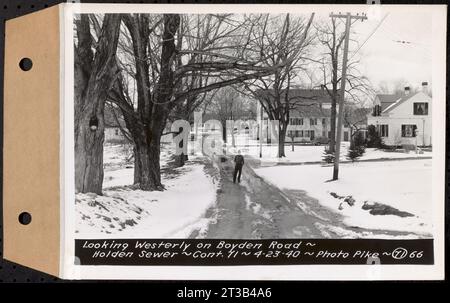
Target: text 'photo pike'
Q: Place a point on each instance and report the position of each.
(274, 130)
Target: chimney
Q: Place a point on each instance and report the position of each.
(407, 90)
(425, 87)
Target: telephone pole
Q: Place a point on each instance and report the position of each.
(348, 21)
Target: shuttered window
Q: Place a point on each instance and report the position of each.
(384, 130)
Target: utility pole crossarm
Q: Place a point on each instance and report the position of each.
(357, 16)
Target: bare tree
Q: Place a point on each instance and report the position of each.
(396, 87)
(172, 59)
(331, 36)
(94, 75)
(355, 118)
(279, 39)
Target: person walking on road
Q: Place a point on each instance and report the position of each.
(239, 162)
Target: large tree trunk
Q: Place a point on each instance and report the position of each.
(224, 131)
(89, 105)
(137, 165)
(147, 124)
(281, 141)
(151, 172)
(147, 172)
(89, 146)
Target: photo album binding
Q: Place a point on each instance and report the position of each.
(215, 142)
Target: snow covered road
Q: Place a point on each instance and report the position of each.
(257, 209)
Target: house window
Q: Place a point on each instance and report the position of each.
(409, 130)
(300, 133)
(324, 121)
(294, 133)
(313, 121)
(296, 121)
(420, 108)
(376, 110)
(384, 130)
(116, 131)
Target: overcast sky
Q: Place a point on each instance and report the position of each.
(383, 59)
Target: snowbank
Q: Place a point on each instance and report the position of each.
(125, 212)
(405, 185)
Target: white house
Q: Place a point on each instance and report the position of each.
(310, 118)
(404, 119)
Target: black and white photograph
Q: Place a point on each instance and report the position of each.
(246, 125)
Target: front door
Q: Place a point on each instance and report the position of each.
(345, 136)
(311, 133)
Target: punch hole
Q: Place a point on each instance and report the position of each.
(25, 64)
(25, 218)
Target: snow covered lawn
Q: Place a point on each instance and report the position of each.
(404, 185)
(126, 212)
(312, 153)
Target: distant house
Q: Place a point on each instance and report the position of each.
(403, 119)
(113, 124)
(311, 116)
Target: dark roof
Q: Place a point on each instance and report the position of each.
(400, 100)
(387, 99)
(299, 95)
(113, 117)
(310, 111)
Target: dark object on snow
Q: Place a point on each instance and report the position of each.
(383, 209)
(223, 159)
(239, 162)
(349, 200)
(335, 195)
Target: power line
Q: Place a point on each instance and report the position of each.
(371, 34)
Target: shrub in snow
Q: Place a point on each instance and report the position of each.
(361, 150)
(373, 138)
(358, 143)
(353, 154)
(328, 157)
